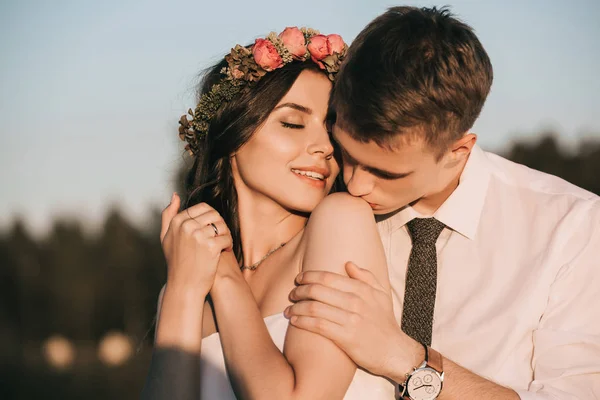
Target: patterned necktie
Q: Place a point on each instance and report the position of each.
(421, 279)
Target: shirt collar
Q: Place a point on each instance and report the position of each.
(461, 212)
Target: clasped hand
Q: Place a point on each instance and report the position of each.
(193, 241)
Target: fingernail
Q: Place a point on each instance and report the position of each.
(287, 311)
(299, 277)
(173, 196)
(292, 294)
(294, 319)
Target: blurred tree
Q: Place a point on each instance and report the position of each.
(119, 255)
(589, 173)
(67, 280)
(24, 265)
(580, 167)
(151, 276)
(13, 290)
(82, 286)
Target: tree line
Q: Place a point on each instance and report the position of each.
(82, 286)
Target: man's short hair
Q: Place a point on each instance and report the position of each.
(412, 71)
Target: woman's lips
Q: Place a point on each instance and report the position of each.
(318, 182)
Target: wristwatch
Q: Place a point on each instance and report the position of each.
(425, 381)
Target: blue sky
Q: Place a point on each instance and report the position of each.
(91, 91)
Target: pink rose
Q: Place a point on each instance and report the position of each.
(319, 48)
(266, 55)
(336, 43)
(293, 40)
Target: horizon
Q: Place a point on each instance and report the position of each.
(93, 91)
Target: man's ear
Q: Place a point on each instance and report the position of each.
(460, 150)
(462, 147)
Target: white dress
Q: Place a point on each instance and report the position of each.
(215, 382)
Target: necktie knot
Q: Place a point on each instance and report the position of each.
(425, 230)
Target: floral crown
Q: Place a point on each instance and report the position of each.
(247, 65)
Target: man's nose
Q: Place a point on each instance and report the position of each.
(358, 182)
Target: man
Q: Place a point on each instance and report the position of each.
(493, 266)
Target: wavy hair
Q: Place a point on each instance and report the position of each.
(210, 179)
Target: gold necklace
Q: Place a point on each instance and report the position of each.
(256, 264)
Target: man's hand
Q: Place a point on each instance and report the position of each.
(356, 313)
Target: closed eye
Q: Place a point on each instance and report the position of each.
(388, 177)
(375, 171)
(291, 126)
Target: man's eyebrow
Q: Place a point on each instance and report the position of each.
(376, 171)
(387, 174)
(295, 106)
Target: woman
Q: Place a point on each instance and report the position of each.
(263, 164)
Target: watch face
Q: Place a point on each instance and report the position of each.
(424, 384)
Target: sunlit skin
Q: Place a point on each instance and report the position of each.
(273, 204)
(407, 172)
(281, 176)
(294, 136)
(389, 179)
(268, 169)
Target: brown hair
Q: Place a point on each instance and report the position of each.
(210, 179)
(412, 71)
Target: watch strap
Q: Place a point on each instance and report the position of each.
(434, 360)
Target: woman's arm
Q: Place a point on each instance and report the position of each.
(175, 365)
(188, 241)
(179, 318)
(342, 228)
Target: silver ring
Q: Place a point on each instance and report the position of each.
(215, 229)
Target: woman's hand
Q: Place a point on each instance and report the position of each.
(192, 241)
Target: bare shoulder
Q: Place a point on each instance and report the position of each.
(341, 208)
(342, 228)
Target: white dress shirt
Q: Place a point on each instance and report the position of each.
(518, 290)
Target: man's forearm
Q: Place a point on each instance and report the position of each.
(460, 383)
